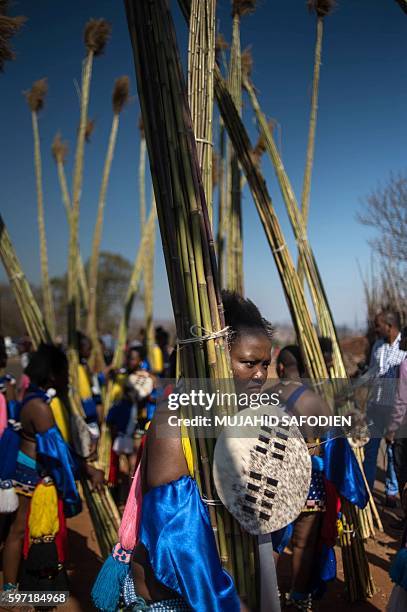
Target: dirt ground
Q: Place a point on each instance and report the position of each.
(85, 562)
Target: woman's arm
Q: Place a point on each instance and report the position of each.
(39, 415)
(163, 458)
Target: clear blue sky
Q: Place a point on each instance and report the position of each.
(361, 135)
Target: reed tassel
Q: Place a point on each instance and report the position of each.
(35, 100)
(9, 26)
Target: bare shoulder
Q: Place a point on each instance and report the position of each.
(312, 403)
(163, 459)
(38, 415)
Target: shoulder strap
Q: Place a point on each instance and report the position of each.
(32, 395)
(290, 401)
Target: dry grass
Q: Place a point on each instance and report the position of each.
(120, 94)
(221, 44)
(321, 7)
(403, 5)
(261, 146)
(90, 126)
(247, 63)
(96, 35)
(243, 7)
(36, 95)
(9, 26)
(59, 149)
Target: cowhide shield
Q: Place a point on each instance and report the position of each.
(262, 473)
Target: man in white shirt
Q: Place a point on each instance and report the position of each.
(386, 357)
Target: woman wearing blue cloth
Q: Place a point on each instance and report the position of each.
(299, 400)
(175, 563)
(335, 473)
(37, 464)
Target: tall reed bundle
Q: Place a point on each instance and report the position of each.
(35, 100)
(96, 34)
(321, 8)
(60, 152)
(292, 287)
(201, 60)
(319, 299)
(186, 235)
(27, 305)
(293, 291)
(119, 99)
(9, 26)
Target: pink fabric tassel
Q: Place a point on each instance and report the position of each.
(3, 414)
(130, 525)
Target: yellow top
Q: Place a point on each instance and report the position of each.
(186, 447)
(85, 390)
(117, 387)
(61, 417)
(157, 359)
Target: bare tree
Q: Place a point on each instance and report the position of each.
(385, 210)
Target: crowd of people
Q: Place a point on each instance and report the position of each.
(166, 557)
